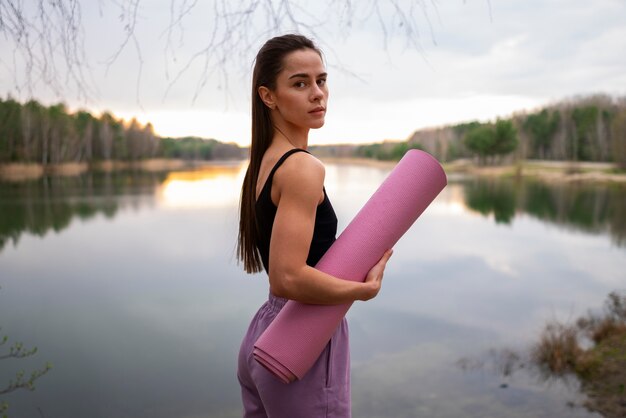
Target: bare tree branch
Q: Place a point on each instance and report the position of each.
(48, 37)
(42, 35)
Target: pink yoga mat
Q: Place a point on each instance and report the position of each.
(297, 336)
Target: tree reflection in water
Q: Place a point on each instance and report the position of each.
(592, 208)
(50, 203)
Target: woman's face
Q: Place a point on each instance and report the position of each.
(301, 94)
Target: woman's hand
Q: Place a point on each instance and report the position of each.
(374, 278)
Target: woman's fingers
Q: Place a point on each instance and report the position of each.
(386, 257)
(379, 268)
(374, 278)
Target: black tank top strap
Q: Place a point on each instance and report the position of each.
(282, 159)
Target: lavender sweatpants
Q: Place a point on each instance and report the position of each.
(324, 392)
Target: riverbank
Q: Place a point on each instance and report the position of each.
(599, 364)
(553, 171)
(550, 171)
(31, 171)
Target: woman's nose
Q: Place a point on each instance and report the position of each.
(317, 92)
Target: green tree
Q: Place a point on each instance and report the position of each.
(105, 134)
(398, 151)
(542, 127)
(35, 130)
(618, 131)
(10, 129)
(491, 140)
(505, 137)
(120, 145)
(585, 119)
(462, 129)
(63, 139)
(480, 140)
(84, 123)
(370, 151)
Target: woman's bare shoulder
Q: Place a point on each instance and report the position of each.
(303, 165)
(301, 172)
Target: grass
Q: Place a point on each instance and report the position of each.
(558, 351)
(543, 170)
(601, 367)
(617, 170)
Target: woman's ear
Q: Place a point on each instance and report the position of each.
(267, 97)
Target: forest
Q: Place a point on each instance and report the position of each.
(591, 128)
(34, 133)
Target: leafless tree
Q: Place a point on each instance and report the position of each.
(48, 36)
(47, 39)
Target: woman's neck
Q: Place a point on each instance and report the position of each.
(298, 138)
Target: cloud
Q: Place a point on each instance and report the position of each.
(475, 60)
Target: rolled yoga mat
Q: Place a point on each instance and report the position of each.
(297, 336)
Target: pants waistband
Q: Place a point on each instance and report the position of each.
(275, 303)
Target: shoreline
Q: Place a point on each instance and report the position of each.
(545, 170)
(32, 171)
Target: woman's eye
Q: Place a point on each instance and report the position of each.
(300, 84)
(321, 82)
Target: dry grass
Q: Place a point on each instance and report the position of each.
(558, 350)
(31, 171)
(368, 162)
(160, 164)
(66, 169)
(599, 364)
(20, 172)
(603, 371)
(552, 171)
(602, 367)
(155, 164)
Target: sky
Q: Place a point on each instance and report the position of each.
(473, 60)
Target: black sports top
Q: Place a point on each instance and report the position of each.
(325, 221)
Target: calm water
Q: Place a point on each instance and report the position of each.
(128, 285)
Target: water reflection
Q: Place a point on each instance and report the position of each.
(210, 186)
(592, 208)
(487, 197)
(51, 203)
(588, 355)
(142, 311)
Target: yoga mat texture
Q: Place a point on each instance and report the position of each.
(297, 336)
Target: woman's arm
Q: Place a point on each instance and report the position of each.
(297, 189)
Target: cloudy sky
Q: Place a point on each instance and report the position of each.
(475, 59)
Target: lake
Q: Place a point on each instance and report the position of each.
(127, 284)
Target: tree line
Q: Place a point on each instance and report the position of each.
(34, 133)
(584, 129)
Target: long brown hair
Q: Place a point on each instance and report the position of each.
(268, 64)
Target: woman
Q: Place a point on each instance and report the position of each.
(286, 224)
